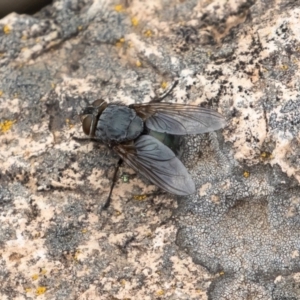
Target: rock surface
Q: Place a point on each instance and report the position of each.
(237, 238)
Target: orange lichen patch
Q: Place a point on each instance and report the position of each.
(6, 125)
(134, 21)
(117, 213)
(79, 28)
(76, 255)
(69, 124)
(139, 197)
(40, 290)
(120, 42)
(246, 174)
(119, 45)
(266, 155)
(1, 93)
(284, 67)
(28, 290)
(148, 33)
(119, 8)
(138, 63)
(35, 276)
(149, 234)
(160, 293)
(123, 282)
(37, 235)
(6, 29)
(221, 273)
(43, 271)
(84, 230)
(164, 84)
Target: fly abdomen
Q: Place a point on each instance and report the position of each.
(171, 141)
(119, 123)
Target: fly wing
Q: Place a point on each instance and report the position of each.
(158, 163)
(179, 119)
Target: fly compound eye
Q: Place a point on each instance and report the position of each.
(87, 124)
(97, 103)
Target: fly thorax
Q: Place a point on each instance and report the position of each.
(119, 123)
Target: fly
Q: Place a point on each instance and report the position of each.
(126, 130)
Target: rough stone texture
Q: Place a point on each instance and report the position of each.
(237, 238)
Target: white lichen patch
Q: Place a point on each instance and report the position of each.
(182, 269)
(142, 47)
(97, 178)
(204, 188)
(70, 86)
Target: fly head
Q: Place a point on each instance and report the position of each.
(90, 115)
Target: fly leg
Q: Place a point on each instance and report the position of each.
(107, 202)
(165, 94)
(88, 139)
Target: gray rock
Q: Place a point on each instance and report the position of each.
(236, 238)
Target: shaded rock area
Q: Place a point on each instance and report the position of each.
(238, 237)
